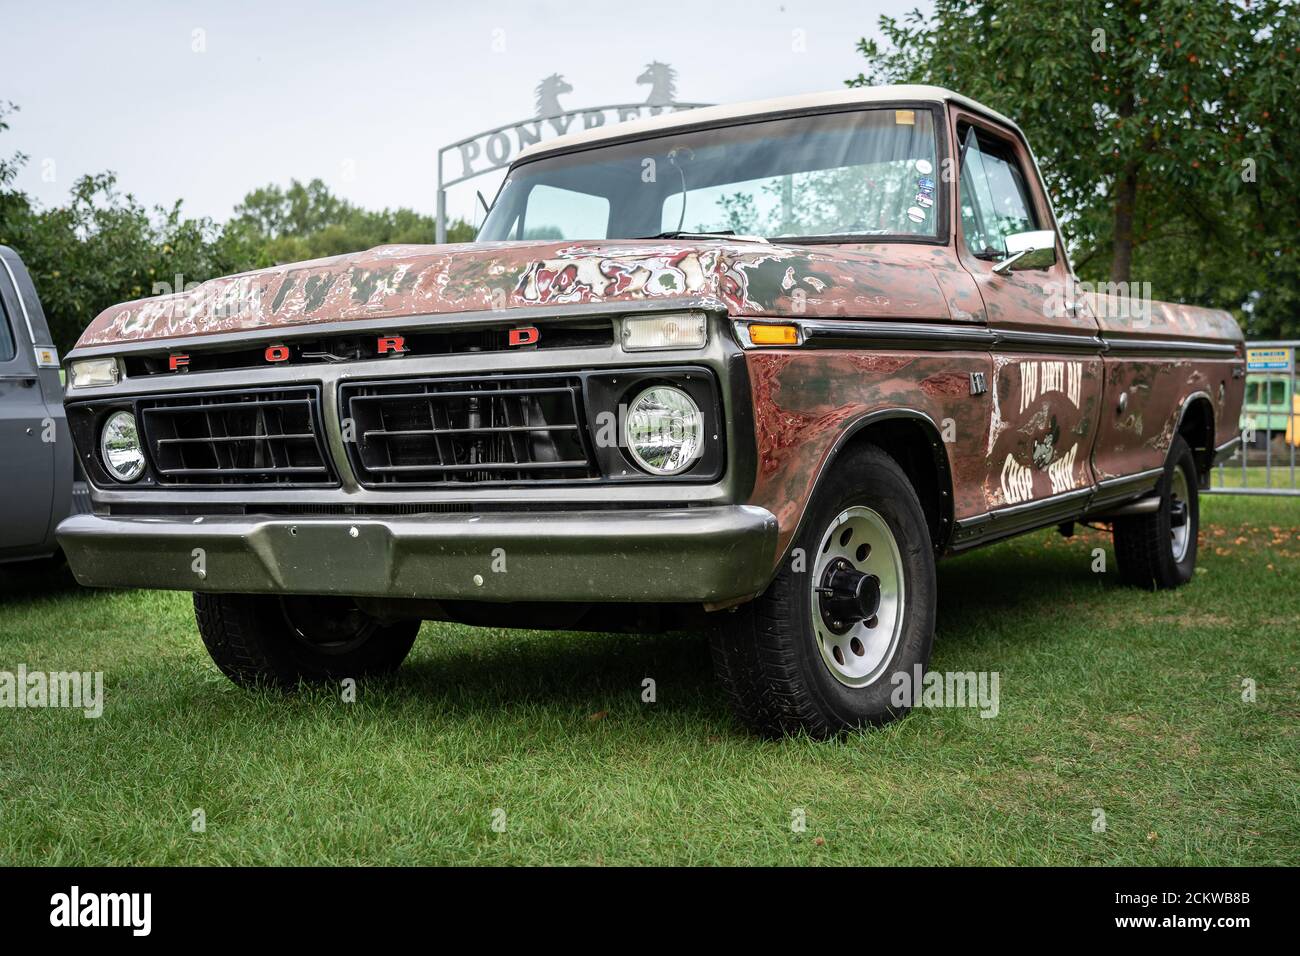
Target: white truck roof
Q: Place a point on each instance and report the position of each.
(720, 114)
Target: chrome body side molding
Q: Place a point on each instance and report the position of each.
(872, 333)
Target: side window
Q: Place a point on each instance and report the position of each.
(995, 199)
(7, 348)
(554, 213)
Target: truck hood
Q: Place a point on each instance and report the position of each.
(422, 281)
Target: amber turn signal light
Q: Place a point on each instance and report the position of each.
(774, 335)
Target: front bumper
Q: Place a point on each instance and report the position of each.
(686, 555)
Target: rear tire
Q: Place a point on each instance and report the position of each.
(1158, 550)
(279, 641)
(786, 662)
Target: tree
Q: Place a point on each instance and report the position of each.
(103, 246)
(306, 221)
(1164, 129)
(12, 203)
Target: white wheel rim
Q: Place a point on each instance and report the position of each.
(1179, 535)
(858, 656)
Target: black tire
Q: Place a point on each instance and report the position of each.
(768, 655)
(1146, 545)
(268, 640)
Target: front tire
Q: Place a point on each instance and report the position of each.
(1158, 550)
(279, 641)
(852, 606)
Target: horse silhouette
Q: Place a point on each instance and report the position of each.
(548, 94)
(663, 83)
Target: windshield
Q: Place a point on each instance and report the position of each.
(860, 173)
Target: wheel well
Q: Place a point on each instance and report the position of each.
(1197, 428)
(917, 446)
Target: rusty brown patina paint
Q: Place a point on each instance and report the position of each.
(1138, 438)
(803, 401)
(398, 281)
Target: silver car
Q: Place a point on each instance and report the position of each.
(36, 454)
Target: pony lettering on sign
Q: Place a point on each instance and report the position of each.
(498, 147)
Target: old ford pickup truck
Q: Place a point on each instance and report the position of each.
(751, 369)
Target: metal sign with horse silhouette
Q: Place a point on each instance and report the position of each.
(495, 148)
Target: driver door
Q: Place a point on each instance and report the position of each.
(1046, 363)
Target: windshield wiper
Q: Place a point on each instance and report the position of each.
(691, 234)
(687, 233)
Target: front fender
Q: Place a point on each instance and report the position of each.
(811, 406)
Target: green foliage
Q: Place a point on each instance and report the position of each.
(1149, 118)
(104, 247)
(12, 203)
(543, 233)
(843, 199)
(306, 221)
(9, 167)
(739, 214)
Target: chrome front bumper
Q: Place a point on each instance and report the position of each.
(706, 554)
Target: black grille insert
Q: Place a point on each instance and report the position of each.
(264, 437)
(467, 431)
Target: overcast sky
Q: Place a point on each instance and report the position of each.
(203, 101)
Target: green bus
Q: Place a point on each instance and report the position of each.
(1268, 404)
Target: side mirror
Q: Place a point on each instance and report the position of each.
(1028, 250)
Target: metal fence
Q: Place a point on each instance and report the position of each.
(1265, 464)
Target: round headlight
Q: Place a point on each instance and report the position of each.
(119, 447)
(664, 430)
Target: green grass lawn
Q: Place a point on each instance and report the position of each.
(1111, 698)
(1278, 477)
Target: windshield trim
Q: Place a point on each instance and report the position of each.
(936, 108)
